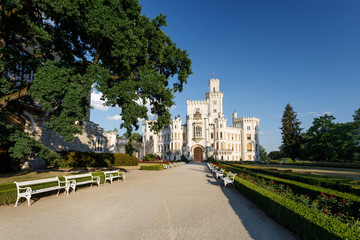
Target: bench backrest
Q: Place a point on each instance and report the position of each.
(78, 176)
(232, 175)
(40, 181)
(110, 172)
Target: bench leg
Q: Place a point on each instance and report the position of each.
(28, 199)
(17, 200)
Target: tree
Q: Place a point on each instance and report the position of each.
(318, 143)
(291, 133)
(275, 155)
(130, 148)
(356, 115)
(263, 153)
(68, 46)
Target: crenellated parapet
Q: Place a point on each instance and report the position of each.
(197, 102)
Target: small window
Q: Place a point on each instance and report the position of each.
(248, 136)
(248, 128)
(198, 131)
(249, 147)
(214, 89)
(221, 135)
(214, 110)
(151, 138)
(212, 136)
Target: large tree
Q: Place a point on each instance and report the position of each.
(291, 131)
(356, 115)
(69, 46)
(318, 140)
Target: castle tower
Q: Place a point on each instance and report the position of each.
(215, 98)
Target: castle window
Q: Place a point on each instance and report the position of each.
(212, 136)
(248, 128)
(214, 89)
(249, 147)
(221, 135)
(151, 138)
(214, 110)
(99, 145)
(184, 136)
(248, 136)
(197, 131)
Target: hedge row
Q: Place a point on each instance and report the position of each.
(8, 193)
(77, 159)
(306, 222)
(334, 165)
(152, 167)
(303, 188)
(342, 184)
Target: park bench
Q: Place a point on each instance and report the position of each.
(229, 178)
(110, 175)
(23, 189)
(165, 166)
(90, 179)
(220, 173)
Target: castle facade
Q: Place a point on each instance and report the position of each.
(205, 133)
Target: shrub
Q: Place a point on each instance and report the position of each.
(184, 159)
(152, 167)
(76, 159)
(211, 159)
(306, 222)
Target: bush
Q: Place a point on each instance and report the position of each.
(77, 159)
(306, 222)
(152, 167)
(211, 159)
(184, 159)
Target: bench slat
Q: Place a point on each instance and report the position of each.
(33, 182)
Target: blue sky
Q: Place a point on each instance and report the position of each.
(266, 54)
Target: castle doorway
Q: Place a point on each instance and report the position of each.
(198, 154)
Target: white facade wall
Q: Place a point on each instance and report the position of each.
(207, 129)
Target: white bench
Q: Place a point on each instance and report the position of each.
(110, 175)
(23, 189)
(74, 183)
(220, 173)
(165, 166)
(229, 178)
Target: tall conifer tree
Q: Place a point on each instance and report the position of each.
(290, 133)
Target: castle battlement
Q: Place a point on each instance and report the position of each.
(197, 102)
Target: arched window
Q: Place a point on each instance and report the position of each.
(249, 147)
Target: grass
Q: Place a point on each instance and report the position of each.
(328, 171)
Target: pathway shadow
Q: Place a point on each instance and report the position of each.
(259, 225)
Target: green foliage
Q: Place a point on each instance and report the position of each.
(330, 141)
(356, 115)
(150, 157)
(152, 167)
(290, 133)
(75, 44)
(275, 155)
(184, 159)
(21, 147)
(76, 159)
(130, 148)
(263, 153)
(308, 223)
(211, 159)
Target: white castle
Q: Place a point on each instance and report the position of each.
(205, 133)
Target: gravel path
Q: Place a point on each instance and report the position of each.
(185, 202)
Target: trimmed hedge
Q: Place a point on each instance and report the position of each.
(306, 222)
(152, 167)
(334, 165)
(303, 188)
(337, 183)
(77, 159)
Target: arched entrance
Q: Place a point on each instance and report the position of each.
(198, 154)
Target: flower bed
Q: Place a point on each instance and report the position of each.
(324, 216)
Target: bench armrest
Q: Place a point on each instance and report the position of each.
(27, 189)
